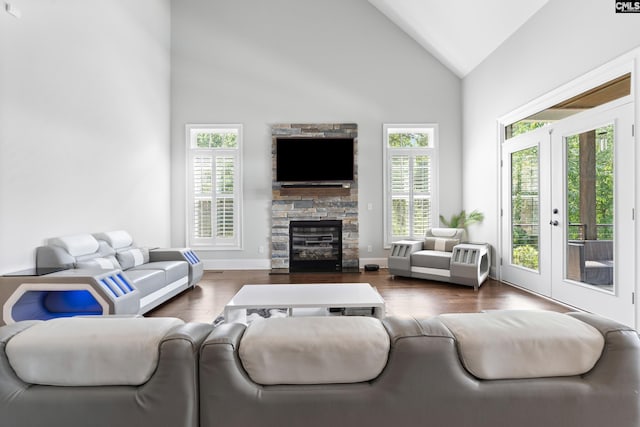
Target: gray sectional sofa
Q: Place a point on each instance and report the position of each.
(70, 384)
(496, 369)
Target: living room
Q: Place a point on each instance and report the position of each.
(99, 95)
(95, 97)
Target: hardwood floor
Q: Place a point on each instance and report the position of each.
(403, 296)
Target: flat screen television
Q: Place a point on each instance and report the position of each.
(314, 160)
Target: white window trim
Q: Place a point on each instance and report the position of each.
(238, 242)
(386, 155)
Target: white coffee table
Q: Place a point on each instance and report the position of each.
(320, 296)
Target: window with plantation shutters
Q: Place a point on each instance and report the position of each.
(410, 164)
(214, 186)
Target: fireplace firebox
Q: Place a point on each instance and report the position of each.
(315, 246)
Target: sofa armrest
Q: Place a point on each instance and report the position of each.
(53, 256)
(400, 256)
(8, 331)
(602, 324)
(173, 254)
(196, 267)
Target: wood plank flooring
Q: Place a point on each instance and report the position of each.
(403, 296)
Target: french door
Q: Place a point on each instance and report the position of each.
(526, 184)
(567, 211)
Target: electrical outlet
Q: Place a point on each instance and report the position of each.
(369, 248)
(261, 249)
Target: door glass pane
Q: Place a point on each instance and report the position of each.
(525, 208)
(590, 203)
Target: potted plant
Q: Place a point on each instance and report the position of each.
(463, 220)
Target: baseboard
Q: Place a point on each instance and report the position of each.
(237, 264)
(265, 264)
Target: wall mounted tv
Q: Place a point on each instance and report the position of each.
(314, 160)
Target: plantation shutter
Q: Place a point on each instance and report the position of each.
(214, 190)
(410, 175)
(202, 173)
(400, 179)
(421, 195)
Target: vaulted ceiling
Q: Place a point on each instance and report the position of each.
(460, 33)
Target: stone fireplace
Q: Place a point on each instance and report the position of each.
(311, 203)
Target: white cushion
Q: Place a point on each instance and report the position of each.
(314, 350)
(91, 351)
(116, 239)
(133, 257)
(513, 344)
(77, 244)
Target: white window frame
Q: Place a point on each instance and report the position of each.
(431, 151)
(213, 242)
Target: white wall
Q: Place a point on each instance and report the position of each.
(84, 122)
(564, 40)
(304, 61)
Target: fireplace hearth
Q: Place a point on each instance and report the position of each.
(315, 246)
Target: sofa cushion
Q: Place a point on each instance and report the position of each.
(89, 351)
(173, 270)
(514, 344)
(147, 281)
(105, 263)
(314, 350)
(117, 239)
(431, 259)
(77, 244)
(440, 244)
(133, 257)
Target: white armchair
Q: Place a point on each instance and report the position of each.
(441, 256)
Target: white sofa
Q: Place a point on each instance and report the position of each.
(155, 275)
(442, 255)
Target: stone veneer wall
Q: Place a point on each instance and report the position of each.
(309, 203)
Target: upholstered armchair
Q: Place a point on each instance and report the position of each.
(441, 256)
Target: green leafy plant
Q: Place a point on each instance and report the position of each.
(463, 220)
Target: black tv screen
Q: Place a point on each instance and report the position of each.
(314, 159)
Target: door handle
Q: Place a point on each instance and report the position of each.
(554, 223)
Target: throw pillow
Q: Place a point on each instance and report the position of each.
(133, 257)
(440, 244)
(105, 263)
